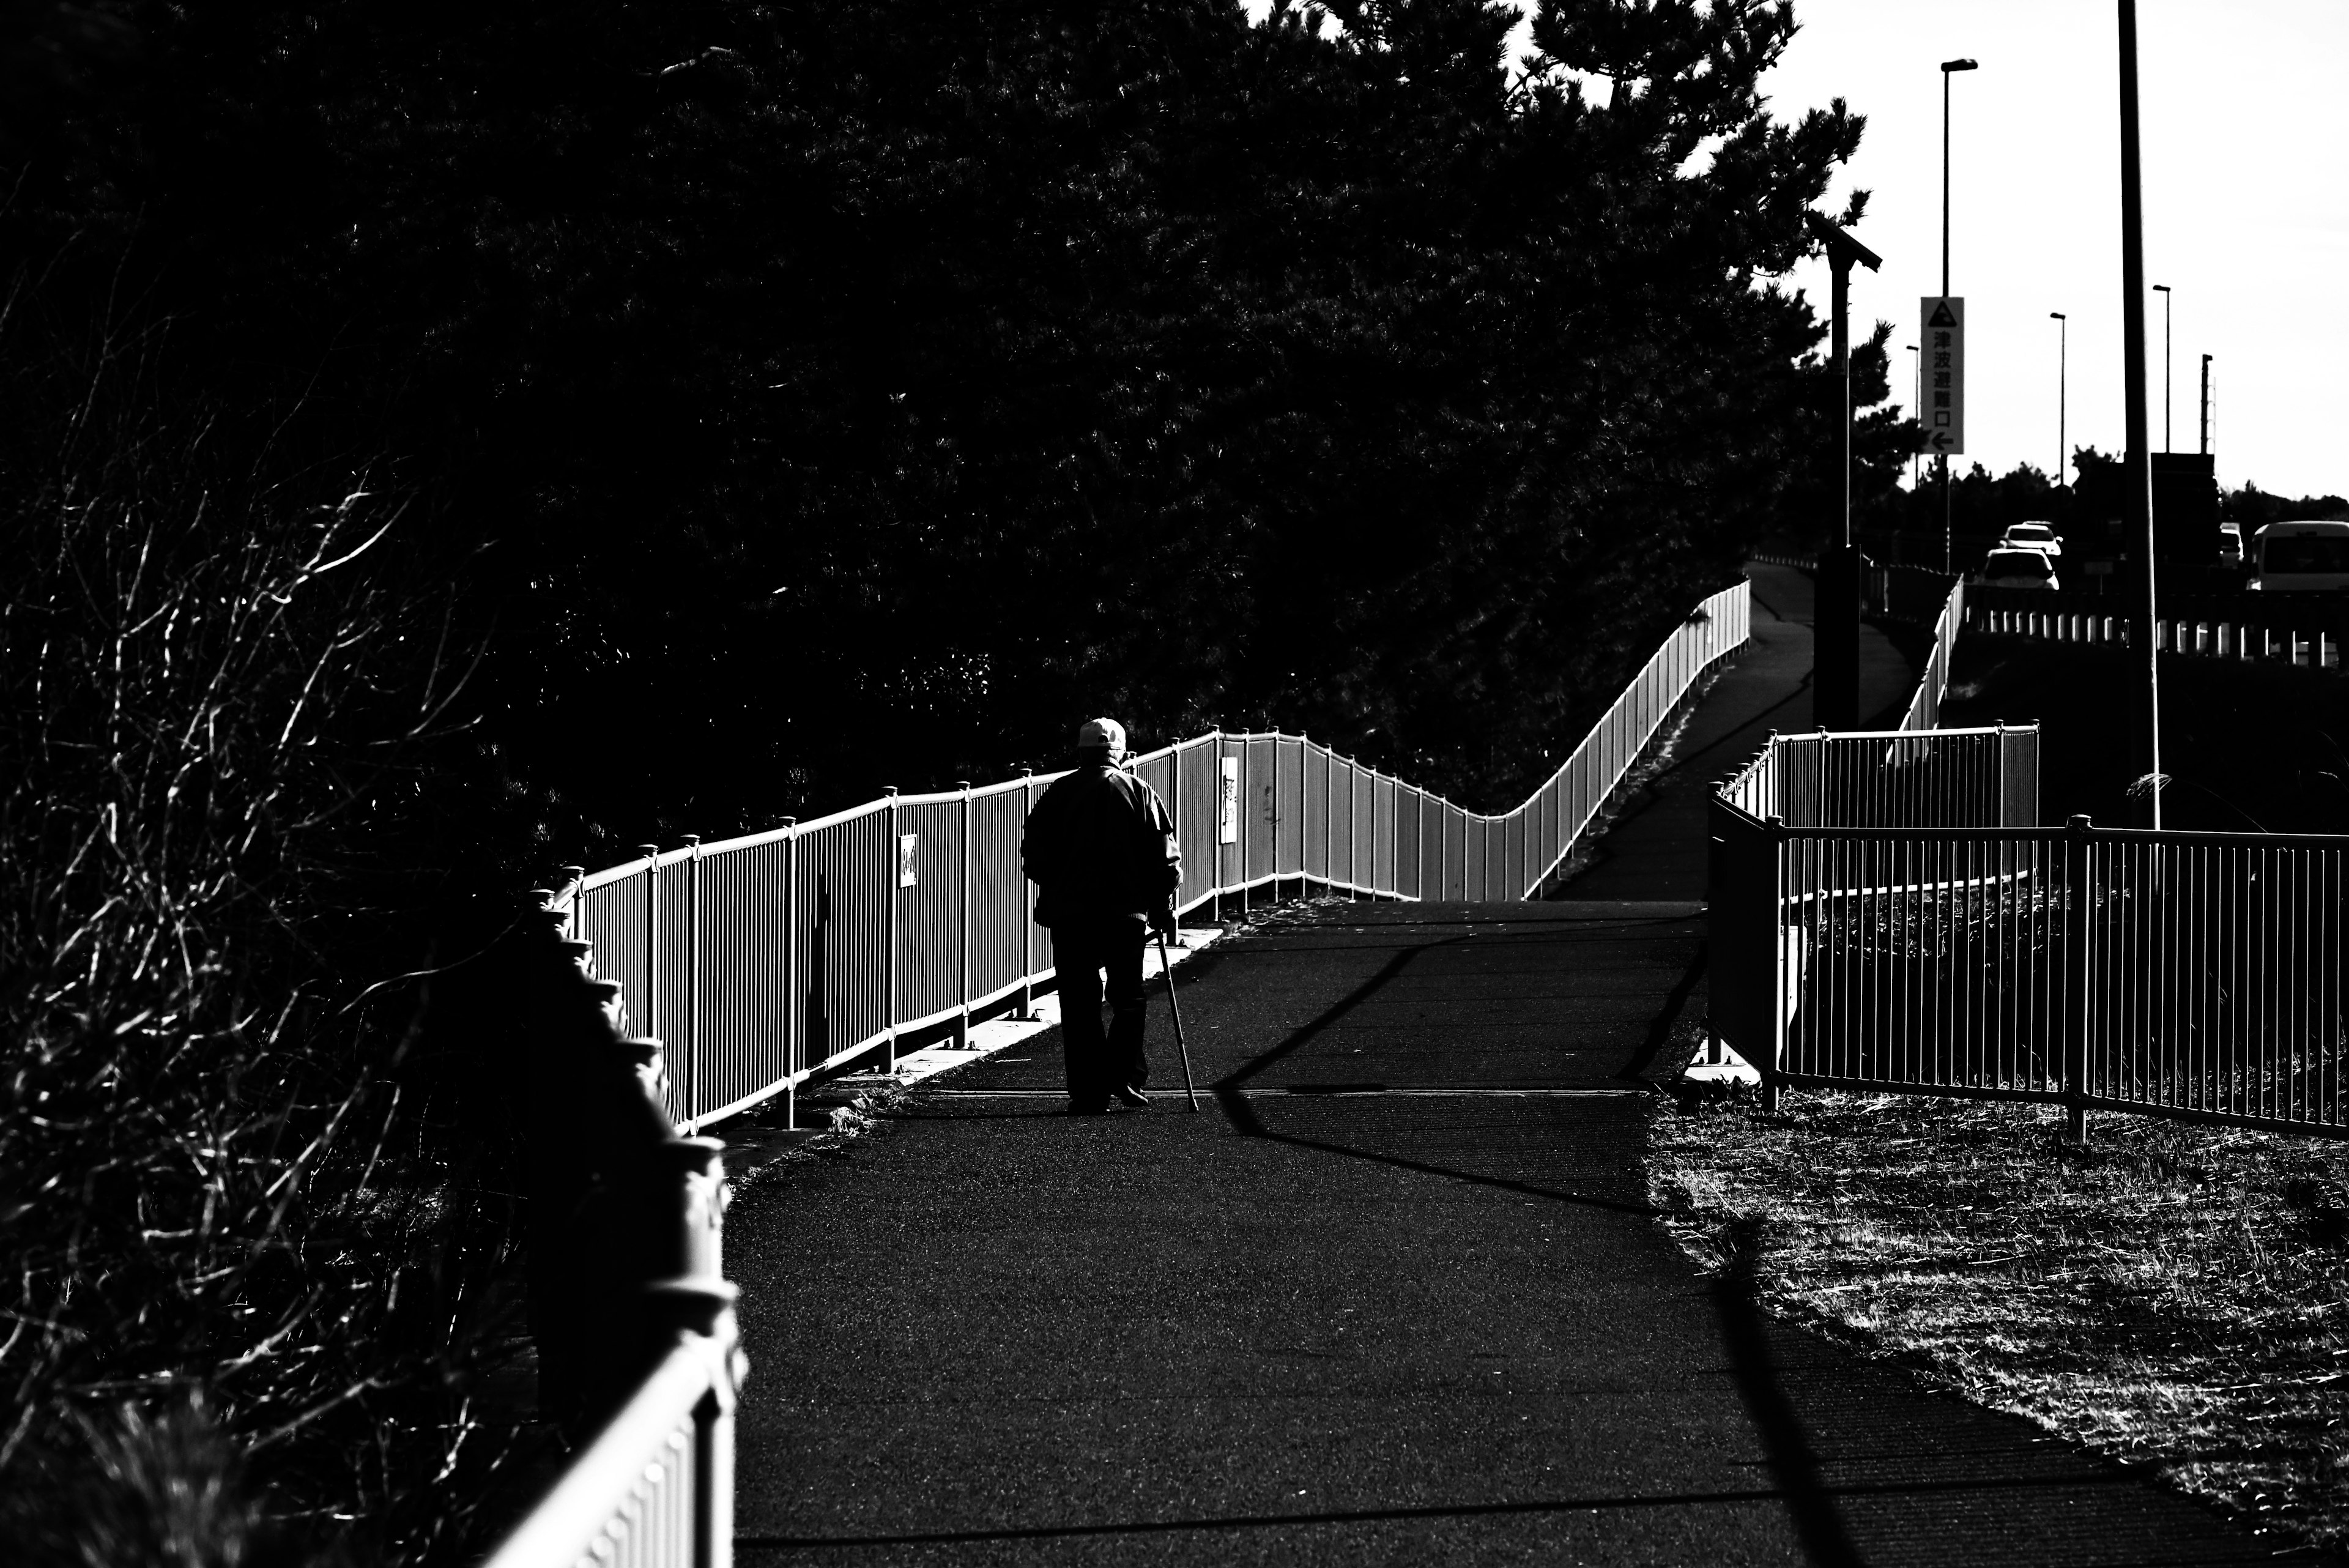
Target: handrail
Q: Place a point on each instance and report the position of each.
(764, 959)
(1942, 949)
(644, 1490)
(632, 1321)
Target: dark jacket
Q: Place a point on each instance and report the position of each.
(1100, 844)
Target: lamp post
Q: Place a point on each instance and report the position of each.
(1949, 69)
(2163, 289)
(2063, 446)
(2145, 701)
(1835, 620)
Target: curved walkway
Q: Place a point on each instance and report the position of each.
(1396, 1296)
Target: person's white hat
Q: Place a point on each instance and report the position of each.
(1101, 735)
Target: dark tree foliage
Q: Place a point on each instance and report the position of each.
(860, 393)
(780, 401)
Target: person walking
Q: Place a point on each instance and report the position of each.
(1102, 854)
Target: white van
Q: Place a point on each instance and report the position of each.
(2301, 557)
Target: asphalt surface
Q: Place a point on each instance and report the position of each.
(1394, 1295)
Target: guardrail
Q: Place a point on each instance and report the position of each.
(2193, 975)
(2282, 627)
(638, 1350)
(764, 959)
(1933, 680)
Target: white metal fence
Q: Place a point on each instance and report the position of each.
(768, 957)
(763, 959)
(1933, 680)
(2287, 632)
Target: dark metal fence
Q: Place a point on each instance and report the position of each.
(2186, 974)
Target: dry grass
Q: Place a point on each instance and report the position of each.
(2171, 1294)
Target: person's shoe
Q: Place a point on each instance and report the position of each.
(1127, 1095)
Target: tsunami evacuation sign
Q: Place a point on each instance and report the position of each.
(1943, 418)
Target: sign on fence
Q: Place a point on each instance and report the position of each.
(1942, 420)
(1227, 808)
(908, 843)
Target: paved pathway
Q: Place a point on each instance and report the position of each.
(1395, 1296)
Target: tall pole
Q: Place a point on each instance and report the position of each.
(1949, 67)
(2206, 405)
(1835, 621)
(2145, 701)
(2167, 444)
(2063, 441)
(1842, 301)
(1943, 458)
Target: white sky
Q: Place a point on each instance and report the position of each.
(2245, 159)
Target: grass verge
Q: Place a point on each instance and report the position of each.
(2172, 1295)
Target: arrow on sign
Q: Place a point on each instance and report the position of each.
(1940, 442)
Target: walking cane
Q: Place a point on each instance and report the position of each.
(1166, 968)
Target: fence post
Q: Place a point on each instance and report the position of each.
(1273, 826)
(1354, 828)
(1216, 779)
(889, 946)
(1239, 823)
(1028, 889)
(1775, 834)
(962, 960)
(651, 1023)
(2078, 958)
(693, 986)
(1329, 820)
(790, 972)
(575, 877)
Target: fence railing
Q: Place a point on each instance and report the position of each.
(1933, 680)
(2291, 629)
(1893, 778)
(2186, 974)
(638, 1355)
(767, 959)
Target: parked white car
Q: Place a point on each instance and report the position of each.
(2039, 536)
(2301, 557)
(2231, 544)
(2005, 568)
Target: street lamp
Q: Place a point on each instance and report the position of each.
(1948, 69)
(2163, 289)
(2145, 704)
(1835, 621)
(2063, 446)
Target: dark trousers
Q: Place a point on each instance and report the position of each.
(1081, 953)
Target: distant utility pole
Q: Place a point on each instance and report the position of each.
(2167, 361)
(1835, 618)
(1948, 69)
(2145, 701)
(2062, 445)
